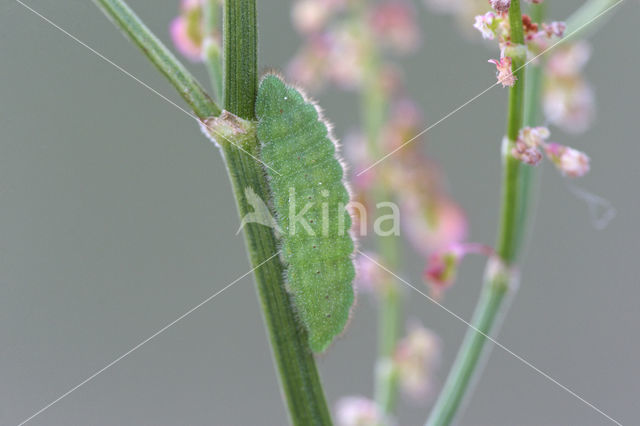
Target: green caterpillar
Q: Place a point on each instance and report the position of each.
(296, 143)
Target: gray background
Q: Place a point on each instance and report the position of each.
(116, 217)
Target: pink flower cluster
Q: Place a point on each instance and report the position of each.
(495, 25)
(338, 41)
(442, 266)
(188, 31)
(415, 362)
(430, 218)
(416, 359)
(358, 411)
(568, 99)
(531, 140)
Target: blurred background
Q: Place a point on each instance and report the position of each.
(116, 217)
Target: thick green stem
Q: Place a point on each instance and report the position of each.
(240, 57)
(296, 366)
(497, 284)
(298, 373)
(186, 85)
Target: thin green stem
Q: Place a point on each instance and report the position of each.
(506, 246)
(586, 20)
(532, 117)
(186, 85)
(497, 283)
(211, 45)
(517, 182)
(374, 106)
(386, 386)
(470, 353)
(296, 366)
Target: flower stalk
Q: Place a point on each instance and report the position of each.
(186, 85)
(498, 279)
(212, 53)
(299, 379)
(374, 107)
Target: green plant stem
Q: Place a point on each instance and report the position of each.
(298, 374)
(186, 85)
(589, 13)
(386, 386)
(497, 285)
(299, 377)
(532, 117)
(240, 57)
(374, 107)
(211, 46)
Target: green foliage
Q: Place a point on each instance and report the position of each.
(317, 248)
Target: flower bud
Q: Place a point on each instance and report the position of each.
(370, 277)
(358, 411)
(416, 359)
(500, 5)
(569, 161)
(442, 266)
(487, 25)
(393, 22)
(504, 74)
(187, 30)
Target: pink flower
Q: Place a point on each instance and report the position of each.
(570, 106)
(504, 74)
(369, 276)
(311, 16)
(394, 23)
(500, 5)
(555, 28)
(527, 146)
(534, 135)
(569, 161)
(416, 359)
(569, 60)
(309, 67)
(187, 30)
(526, 153)
(358, 411)
(442, 265)
(569, 101)
(486, 24)
(463, 11)
(433, 223)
